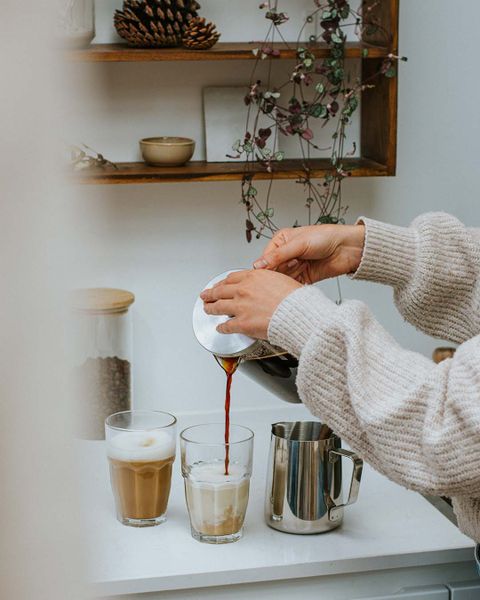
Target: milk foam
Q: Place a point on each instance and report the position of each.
(141, 446)
(212, 474)
(217, 502)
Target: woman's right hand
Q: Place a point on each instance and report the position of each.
(310, 254)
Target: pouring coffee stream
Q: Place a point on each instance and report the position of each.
(229, 365)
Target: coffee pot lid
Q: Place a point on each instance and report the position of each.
(205, 329)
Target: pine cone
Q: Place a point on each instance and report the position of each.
(154, 23)
(200, 35)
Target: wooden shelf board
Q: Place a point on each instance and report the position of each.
(221, 51)
(139, 172)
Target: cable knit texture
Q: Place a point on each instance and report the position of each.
(416, 422)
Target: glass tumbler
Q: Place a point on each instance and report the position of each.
(141, 452)
(217, 480)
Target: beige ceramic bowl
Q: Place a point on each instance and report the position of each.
(167, 151)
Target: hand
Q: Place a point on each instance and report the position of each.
(250, 298)
(310, 254)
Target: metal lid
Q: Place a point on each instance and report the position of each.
(205, 329)
(104, 301)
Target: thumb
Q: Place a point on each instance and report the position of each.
(282, 254)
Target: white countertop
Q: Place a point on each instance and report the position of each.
(389, 527)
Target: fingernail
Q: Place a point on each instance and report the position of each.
(260, 264)
(292, 263)
(203, 295)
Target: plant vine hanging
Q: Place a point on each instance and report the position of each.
(316, 90)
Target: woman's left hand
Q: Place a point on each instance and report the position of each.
(250, 298)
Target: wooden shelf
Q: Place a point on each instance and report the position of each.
(139, 172)
(221, 51)
(378, 138)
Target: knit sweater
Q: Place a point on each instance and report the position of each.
(416, 422)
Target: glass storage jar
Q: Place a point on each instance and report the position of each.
(102, 357)
(76, 22)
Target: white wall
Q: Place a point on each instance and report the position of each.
(39, 543)
(165, 241)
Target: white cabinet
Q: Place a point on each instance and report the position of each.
(469, 590)
(435, 592)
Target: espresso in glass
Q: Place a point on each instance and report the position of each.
(141, 452)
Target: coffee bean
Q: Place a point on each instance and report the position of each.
(102, 387)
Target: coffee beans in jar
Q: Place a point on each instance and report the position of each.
(102, 365)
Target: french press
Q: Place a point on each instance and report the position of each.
(266, 364)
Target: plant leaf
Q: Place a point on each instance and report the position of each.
(391, 72)
(307, 134)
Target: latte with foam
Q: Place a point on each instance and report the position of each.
(141, 472)
(217, 502)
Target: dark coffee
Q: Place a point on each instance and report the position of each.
(229, 365)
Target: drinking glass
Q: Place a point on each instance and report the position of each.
(141, 452)
(216, 500)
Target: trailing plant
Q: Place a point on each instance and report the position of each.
(315, 91)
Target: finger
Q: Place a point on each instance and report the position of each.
(283, 254)
(279, 239)
(221, 307)
(300, 271)
(235, 277)
(289, 267)
(230, 326)
(295, 273)
(231, 278)
(221, 292)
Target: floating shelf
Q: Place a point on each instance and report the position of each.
(139, 172)
(378, 137)
(221, 51)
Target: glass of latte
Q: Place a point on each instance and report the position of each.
(217, 480)
(141, 452)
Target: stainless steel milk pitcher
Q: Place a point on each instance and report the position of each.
(304, 479)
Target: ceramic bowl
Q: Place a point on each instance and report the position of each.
(167, 151)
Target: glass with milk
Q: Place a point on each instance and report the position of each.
(141, 452)
(216, 489)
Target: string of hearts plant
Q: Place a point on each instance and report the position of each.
(316, 90)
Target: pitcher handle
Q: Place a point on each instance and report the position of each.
(334, 513)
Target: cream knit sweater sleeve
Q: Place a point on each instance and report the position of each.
(414, 421)
(434, 268)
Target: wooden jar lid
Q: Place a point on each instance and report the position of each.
(102, 301)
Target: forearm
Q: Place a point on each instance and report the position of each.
(434, 268)
(417, 423)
